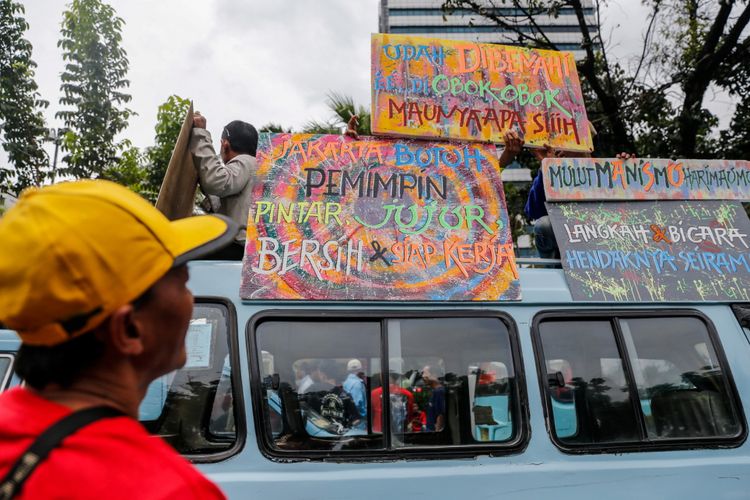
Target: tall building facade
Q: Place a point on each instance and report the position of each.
(426, 18)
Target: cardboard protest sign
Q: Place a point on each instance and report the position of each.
(334, 218)
(176, 197)
(645, 179)
(654, 251)
(450, 89)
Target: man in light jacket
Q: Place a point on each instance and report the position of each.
(228, 175)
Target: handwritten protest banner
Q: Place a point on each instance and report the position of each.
(431, 88)
(645, 179)
(654, 251)
(339, 219)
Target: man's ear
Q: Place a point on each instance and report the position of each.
(122, 332)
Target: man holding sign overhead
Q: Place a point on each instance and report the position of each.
(229, 174)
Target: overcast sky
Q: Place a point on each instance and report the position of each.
(259, 61)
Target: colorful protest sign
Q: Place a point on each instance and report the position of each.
(450, 89)
(645, 179)
(654, 251)
(334, 218)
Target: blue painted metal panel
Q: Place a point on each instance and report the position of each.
(541, 470)
(9, 343)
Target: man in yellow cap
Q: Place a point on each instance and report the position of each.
(93, 279)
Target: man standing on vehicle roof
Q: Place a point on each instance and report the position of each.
(93, 279)
(535, 209)
(228, 175)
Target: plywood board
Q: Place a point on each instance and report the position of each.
(176, 197)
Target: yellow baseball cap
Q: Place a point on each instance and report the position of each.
(72, 253)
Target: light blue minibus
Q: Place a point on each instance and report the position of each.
(541, 398)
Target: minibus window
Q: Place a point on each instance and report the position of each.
(193, 408)
(590, 400)
(316, 380)
(451, 383)
(326, 389)
(632, 382)
(683, 390)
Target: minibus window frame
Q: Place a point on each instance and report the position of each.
(520, 410)
(237, 392)
(613, 316)
(5, 377)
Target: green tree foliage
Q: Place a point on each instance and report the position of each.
(343, 108)
(274, 128)
(515, 201)
(735, 142)
(92, 86)
(129, 171)
(169, 120)
(143, 171)
(704, 47)
(21, 119)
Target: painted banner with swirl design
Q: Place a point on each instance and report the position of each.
(333, 218)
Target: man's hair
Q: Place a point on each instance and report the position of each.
(63, 364)
(242, 137)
